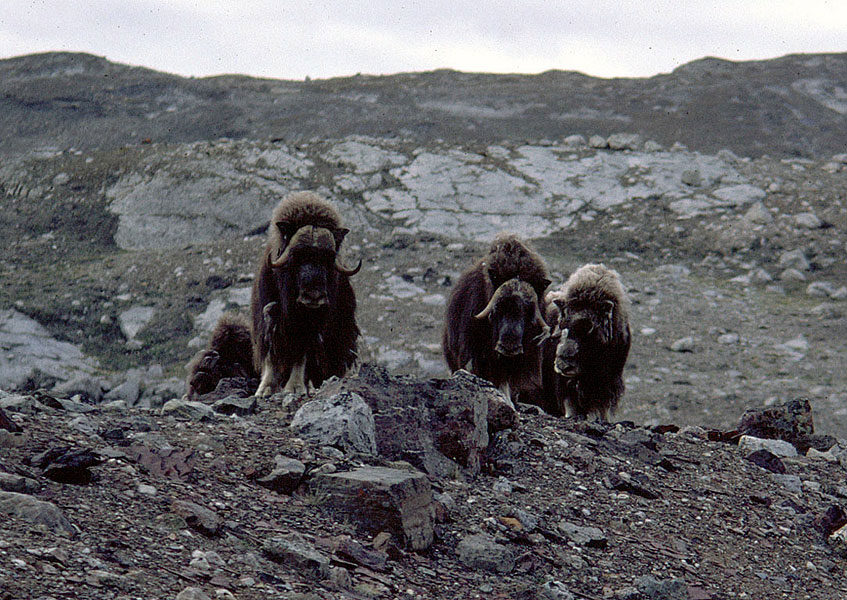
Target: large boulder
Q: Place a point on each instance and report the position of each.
(434, 424)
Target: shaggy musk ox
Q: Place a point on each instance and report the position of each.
(493, 325)
(585, 356)
(303, 306)
(230, 354)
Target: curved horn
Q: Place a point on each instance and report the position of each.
(545, 329)
(283, 258)
(488, 308)
(345, 271)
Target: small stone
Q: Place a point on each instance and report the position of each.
(285, 477)
(838, 541)
(197, 517)
(685, 344)
(598, 141)
(653, 146)
(294, 551)
(792, 275)
(748, 444)
(235, 405)
(667, 589)
(692, 177)
(790, 482)
(483, 553)
(189, 410)
(575, 141)
(192, 593)
(555, 590)
(624, 141)
(590, 537)
(728, 339)
(821, 289)
(794, 259)
(767, 460)
(807, 221)
(758, 214)
(146, 490)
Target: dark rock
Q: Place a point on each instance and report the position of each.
(7, 423)
(240, 387)
(197, 517)
(633, 484)
(353, 551)
(10, 482)
(381, 499)
(767, 460)
(791, 421)
(428, 423)
(65, 465)
(285, 477)
(833, 519)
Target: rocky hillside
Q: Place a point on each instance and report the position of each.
(134, 206)
(794, 106)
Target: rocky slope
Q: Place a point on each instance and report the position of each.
(792, 106)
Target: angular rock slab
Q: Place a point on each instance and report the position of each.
(343, 420)
(437, 424)
(482, 552)
(382, 499)
(37, 512)
(27, 348)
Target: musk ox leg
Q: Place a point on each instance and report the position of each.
(296, 383)
(268, 381)
(506, 390)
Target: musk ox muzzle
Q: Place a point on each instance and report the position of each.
(512, 310)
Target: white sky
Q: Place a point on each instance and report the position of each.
(291, 39)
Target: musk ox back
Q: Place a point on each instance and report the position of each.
(585, 357)
(229, 355)
(303, 306)
(493, 323)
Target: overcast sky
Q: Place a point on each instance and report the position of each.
(292, 39)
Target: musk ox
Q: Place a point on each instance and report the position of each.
(303, 306)
(493, 324)
(585, 356)
(230, 354)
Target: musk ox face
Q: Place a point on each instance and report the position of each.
(582, 332)
(309, 258)
(514, 315)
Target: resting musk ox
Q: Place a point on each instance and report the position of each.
(230, 354)
(303, 306)
(493, 324)
(585, 356)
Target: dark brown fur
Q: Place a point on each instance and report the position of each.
(583, 368)
(230, 354)
(284, 331)
(467, 341)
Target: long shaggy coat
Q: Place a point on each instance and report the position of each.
(584, 360)
(467, 341)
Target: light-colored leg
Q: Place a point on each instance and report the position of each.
(506, 390)
(268, 382)
(568, 410)
(296, 383)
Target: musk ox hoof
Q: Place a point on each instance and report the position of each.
(298, 389)
(264, 390)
